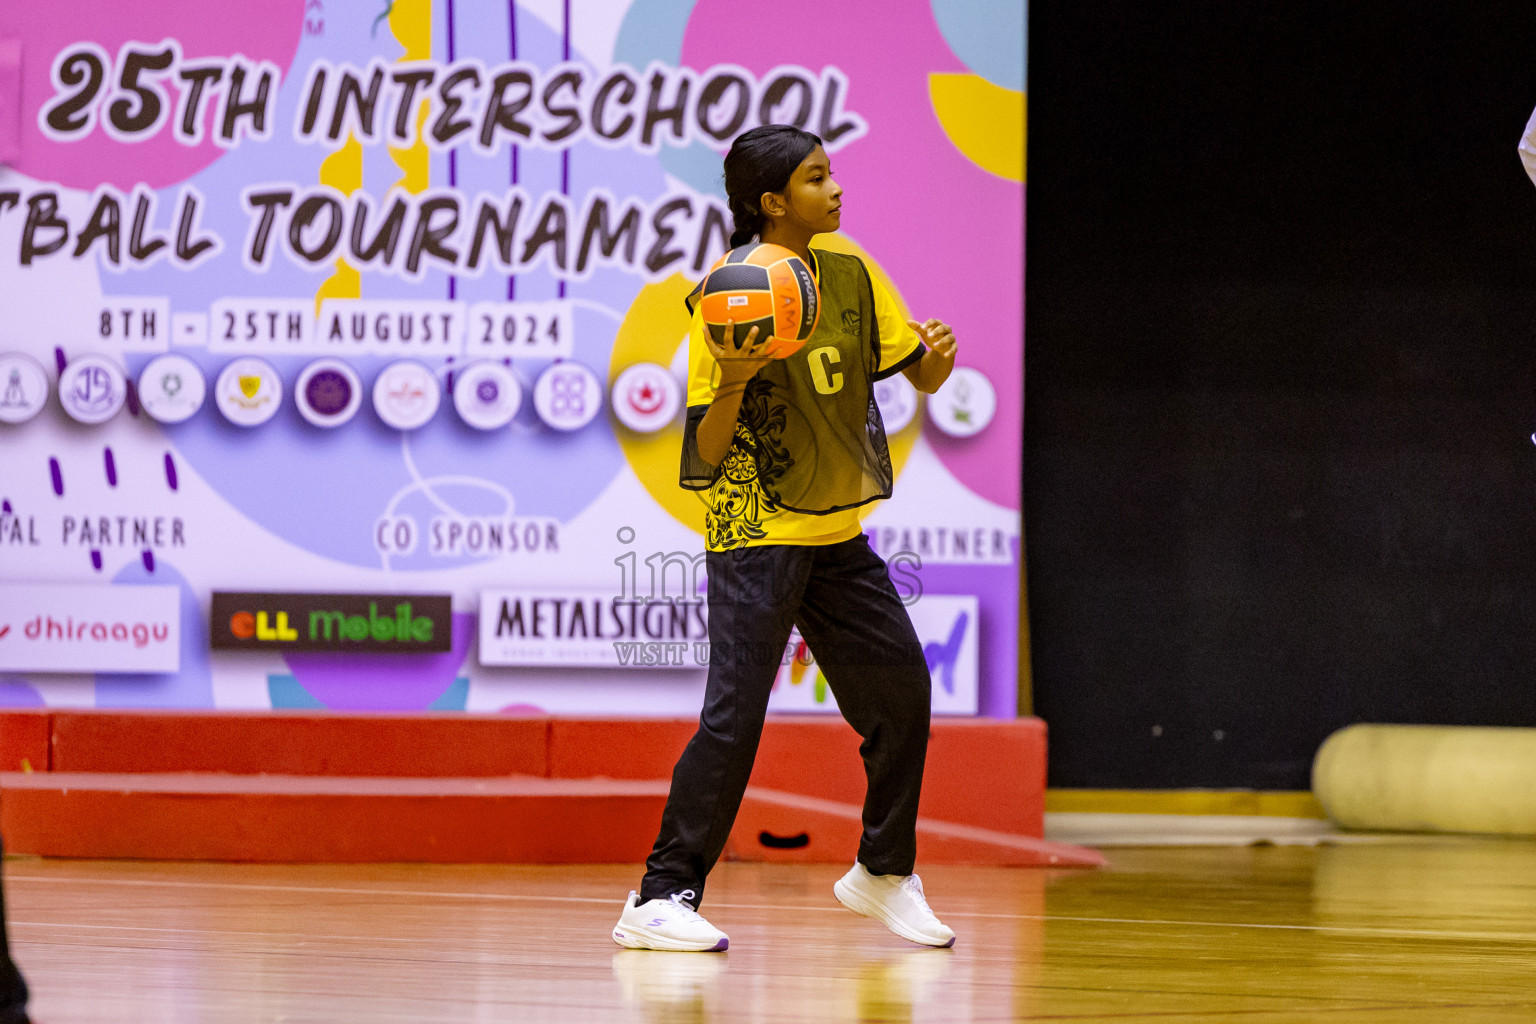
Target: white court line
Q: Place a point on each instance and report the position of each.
(332, 890)
(1408, 933)
(1336, 929)
(284, 936)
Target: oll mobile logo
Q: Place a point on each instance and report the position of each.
(406, 395)
(646, 397)
(248, 391)
(371, 623)
(92, 389)
(487, 395)
(23, 387)
(172, 388)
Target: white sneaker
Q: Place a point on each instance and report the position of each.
(667, 924)
(896, 901)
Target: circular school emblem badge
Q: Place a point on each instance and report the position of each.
(328, 393)
(92, 388)
(248, 391)
(897, 399)
(965, 404)
(406, 394)
(172, 388)
(486, 395)
(567, 396)
(645, 398)
(23, 387)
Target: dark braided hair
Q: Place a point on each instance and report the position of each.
(761, 160)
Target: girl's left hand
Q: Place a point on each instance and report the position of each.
(930, 372)
(937, 335)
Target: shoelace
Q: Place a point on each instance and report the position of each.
(914, 887)
(683, 909)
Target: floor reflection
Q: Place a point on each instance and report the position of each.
(888, 989)
(685, 988)
(669, 988)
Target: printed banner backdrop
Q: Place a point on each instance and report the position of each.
(385, 299)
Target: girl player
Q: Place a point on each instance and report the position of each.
(787, 450)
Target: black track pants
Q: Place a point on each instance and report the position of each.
(841, 597)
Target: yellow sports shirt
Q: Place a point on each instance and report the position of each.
(738, 512)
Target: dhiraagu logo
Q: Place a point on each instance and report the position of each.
(377, 623)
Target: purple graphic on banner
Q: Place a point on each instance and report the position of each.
(17, 692)
(383, 682)
(328, 392)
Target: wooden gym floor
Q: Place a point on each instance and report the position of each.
(1438, 932)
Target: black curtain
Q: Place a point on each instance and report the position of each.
(1280, 381)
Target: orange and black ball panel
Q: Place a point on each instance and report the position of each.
(766, 286)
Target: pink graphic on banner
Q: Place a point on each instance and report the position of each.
(267, 30)
(936, 248)
(10, 100)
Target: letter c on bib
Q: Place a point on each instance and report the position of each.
(818, 359)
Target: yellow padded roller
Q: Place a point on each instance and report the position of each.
(1429, 778)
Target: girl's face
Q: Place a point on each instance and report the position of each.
(812, 202)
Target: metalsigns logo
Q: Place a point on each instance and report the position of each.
(92, 389)
(593, 628)
(23, 387)
(364, 623)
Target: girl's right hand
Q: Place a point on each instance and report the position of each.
(738, 364)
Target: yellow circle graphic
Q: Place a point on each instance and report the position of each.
(655, 330)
